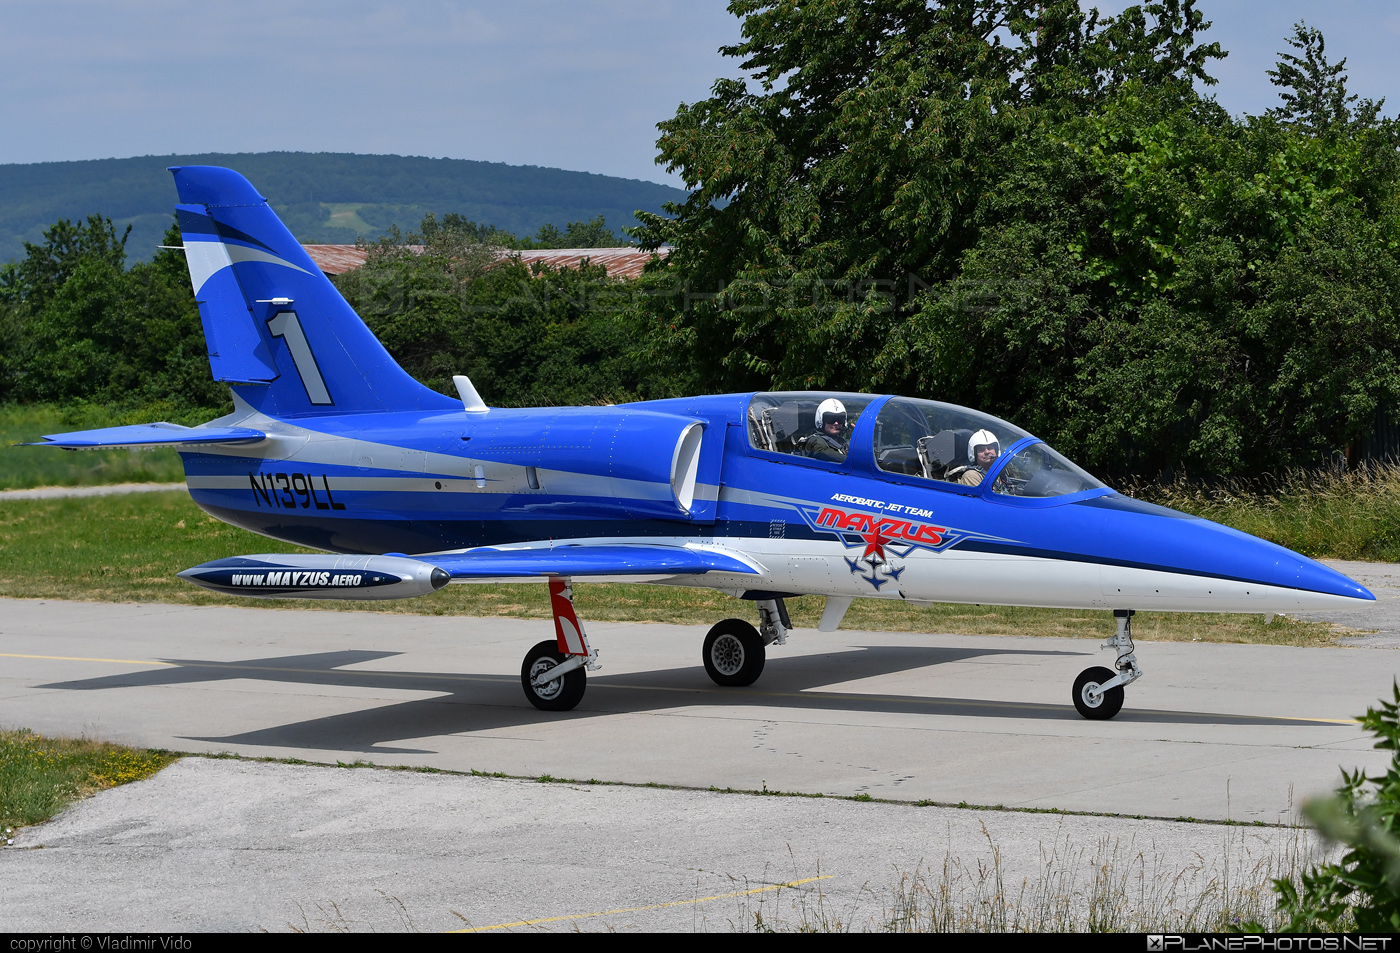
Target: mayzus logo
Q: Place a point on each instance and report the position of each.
(881, 537)
(287, 326)
(899, 534)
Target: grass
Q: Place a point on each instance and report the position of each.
(23, 467)
(1109, 887)
(1332, 514)
(40, 776)
(129, 548)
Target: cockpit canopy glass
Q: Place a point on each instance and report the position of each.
(948, 443)
(937, 441)
(813, 424)
(1039, 471)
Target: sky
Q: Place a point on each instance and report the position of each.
(574, 85)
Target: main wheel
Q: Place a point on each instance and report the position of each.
(734, 653)
(1103, 707)
(564, 692)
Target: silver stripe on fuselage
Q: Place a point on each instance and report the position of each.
(395, 462)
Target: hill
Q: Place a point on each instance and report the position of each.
(323, 197)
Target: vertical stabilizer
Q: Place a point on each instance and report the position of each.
(275, 326)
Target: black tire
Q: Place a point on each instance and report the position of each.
(733, 653)
(1107, 705)
(562, 694)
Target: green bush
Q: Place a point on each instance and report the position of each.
(1362, 890)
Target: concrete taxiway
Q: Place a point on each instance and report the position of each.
(1212, 731)
(247, 846)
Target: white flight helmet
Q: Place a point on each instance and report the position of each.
(982, 438)
(831, 407)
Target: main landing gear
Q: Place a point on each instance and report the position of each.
(553, 673)
(734, 650)
(1098, 692)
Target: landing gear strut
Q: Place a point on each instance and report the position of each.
(553, 673)
(1098, 692)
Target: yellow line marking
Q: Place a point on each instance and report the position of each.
(71, 658)
(655, 906)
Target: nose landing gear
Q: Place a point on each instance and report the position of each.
(1098, 692)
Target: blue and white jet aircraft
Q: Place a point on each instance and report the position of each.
(764, 496)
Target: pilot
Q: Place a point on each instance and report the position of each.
(982, 451)
(831, 441)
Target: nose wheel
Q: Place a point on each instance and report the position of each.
(1098, 691)
(1092, 700)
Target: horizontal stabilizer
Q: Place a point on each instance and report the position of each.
(149, 435)
(604, 560)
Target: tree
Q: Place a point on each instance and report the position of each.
(527, 335)
(1361, 891)
(81, 326)
(852, 175)
(1030, 209)
(1314, 92)
(591, 234)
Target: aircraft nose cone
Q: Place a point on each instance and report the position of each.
(1154, 537)
(1316, 577)
(439, 578)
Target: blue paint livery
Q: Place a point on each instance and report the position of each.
(333, 446)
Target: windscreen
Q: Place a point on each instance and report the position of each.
(953, 444)
(925, 438)
(1039, 471)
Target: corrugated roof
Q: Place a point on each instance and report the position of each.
(336, 259)
(620, 262)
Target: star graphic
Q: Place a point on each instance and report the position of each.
(875, 543)
(854, 564)
(875, 581)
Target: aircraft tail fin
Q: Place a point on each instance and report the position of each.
(274, 324)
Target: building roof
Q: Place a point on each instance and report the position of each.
(620, 262)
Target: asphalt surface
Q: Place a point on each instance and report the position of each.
(1211, 732)
(246, 846)
(1376, 626)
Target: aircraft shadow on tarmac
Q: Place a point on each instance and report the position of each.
(481, 702)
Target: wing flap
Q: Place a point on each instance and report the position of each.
(602, 560)
(148, 435)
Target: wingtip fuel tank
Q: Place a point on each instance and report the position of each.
(282, 576)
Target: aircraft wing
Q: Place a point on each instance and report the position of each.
(636, 559)
(148, 435)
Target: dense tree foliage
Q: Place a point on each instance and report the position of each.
(526, 335)
(1032, 209)
(76, 324)
(1012, 204)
